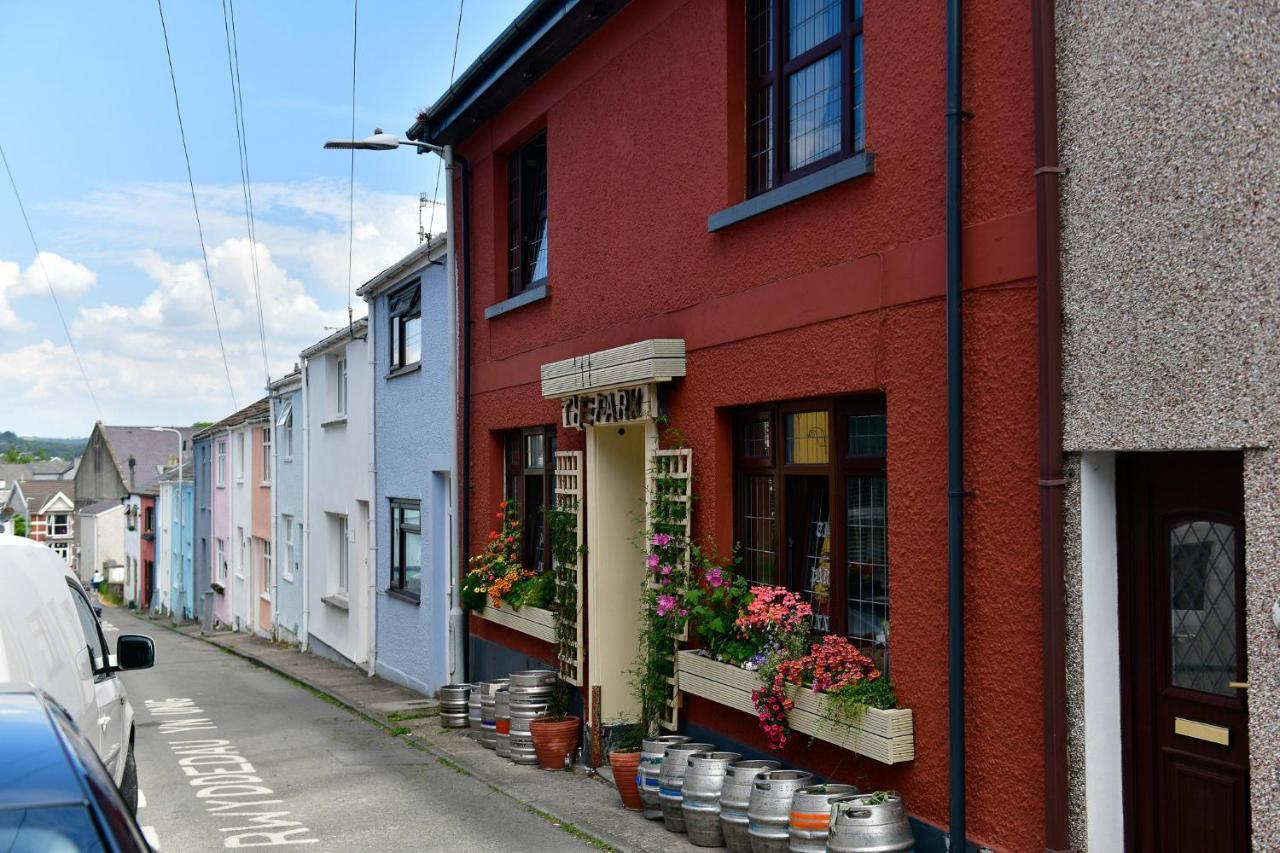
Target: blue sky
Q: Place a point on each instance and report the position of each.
(89, 128)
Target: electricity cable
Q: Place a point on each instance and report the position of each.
(435, 194)
(204, 253)
(49, 282)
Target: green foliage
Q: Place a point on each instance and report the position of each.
(535, 591)
(851, 701)
(201, 424)
(565, 552)
(495, 570)
(32, 449)
(714, 600)
(19, 525)
(627, 737)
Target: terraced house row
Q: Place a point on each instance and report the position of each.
(931, 317)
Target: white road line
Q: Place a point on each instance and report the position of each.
(107, 626)
(142, 799)
(149, 833)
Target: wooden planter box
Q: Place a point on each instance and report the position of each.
(533, 621)
(886, 736)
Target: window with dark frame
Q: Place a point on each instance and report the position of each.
(527, 216)
(804, 88)
(405, 310)
(406, 547)
(530, 468)
(810, 510)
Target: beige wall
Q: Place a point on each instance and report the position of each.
(1171, 284)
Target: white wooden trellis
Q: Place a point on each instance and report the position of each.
(671, 479)
(568, 496)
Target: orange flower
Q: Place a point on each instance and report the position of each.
(497, 515)
(502, 504)
(493, 534)
(510, 539)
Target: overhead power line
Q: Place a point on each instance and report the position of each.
(49, 282)
(246, 186)
(204, 253)
(435, 194)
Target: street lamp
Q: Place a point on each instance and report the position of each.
(389, 142)
(381, 142)
(181, 552)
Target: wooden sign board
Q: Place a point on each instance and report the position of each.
(616, 406)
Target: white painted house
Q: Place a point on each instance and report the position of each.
(337, 401)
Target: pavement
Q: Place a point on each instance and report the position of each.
(372, 749)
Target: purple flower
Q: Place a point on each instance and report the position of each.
(666, 603)
(661, 540)
(666, 570)
(652, 560)
(713, 577)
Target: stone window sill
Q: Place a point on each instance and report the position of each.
(837, 173)
(336, 601)
(339, 421)
(406, 597)
(404, 370)
(534, 294)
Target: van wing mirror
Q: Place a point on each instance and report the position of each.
(135, 651)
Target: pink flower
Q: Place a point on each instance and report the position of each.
(714, 578)
(661, 540)
(666, 570)
(666, 603)
(652, 560)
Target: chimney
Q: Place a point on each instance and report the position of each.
(133, 463)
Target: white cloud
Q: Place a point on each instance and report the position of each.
(70, 281)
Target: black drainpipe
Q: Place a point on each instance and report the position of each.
(464, 474)
(955, 441)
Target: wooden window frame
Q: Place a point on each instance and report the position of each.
(396, 582)
(522, 217)
(780, 69)
(515, 470)
(840, 466)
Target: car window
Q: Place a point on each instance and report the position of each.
(89, 624)
(55, 829)
(111, 806)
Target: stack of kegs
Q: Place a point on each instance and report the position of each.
(529, 694)
(652, 752)
(703, 781)
(811, 815)
(502, 722)
(671, 782)
(453, 705)
(735, 797)
(769, 810)
(488, 712)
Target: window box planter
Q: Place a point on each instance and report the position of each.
(886, 736)
(534, 621)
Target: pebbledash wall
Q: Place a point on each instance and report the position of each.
(837, 293)
(202, 538)
(1171, 257)
(413, 443)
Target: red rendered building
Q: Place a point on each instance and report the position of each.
(768, 192)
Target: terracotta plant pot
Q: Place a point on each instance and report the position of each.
(626, 766)
(554, 741)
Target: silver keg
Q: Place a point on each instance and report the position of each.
(488, 720)
(473, 706)
(529, 694)
(453, 705)
(502, 722)
(735, 797)
(769, 811)
(811, 815)
(859, 825)
(703, 780)
(671, 782)
(652, 751)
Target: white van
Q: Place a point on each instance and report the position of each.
(50, 637)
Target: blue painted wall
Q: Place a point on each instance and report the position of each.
(288, 495)
(413, 440)
(182, 560)
(202, 540)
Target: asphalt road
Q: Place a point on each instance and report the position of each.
(233, 756)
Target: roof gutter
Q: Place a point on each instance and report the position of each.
(1049, 342)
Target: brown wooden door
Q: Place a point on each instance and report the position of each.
(1183, 652)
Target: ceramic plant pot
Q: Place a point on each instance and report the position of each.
(554, 741)
(626, 767)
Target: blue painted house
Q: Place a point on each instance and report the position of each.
(413, 398)
(176, 510)
(287, 508)
(201, 535)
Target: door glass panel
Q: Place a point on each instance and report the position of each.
(1202, 585)
(867, 557)
(809, 507)
(807, 438)
(759, 526)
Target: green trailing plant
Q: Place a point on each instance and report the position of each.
(626, 737)
(565, 554)
(535, 591)
(497, 569)
(846, 704)
(715, 598)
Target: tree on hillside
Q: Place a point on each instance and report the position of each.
(19, 525)
(201, 424)
(14, 456)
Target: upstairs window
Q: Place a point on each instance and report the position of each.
(405, 309)
(266, 454)
(285, 425)
(527, 216)
(240, 456)
(530, 461)
(59, 524)
(222, 463)
(340, 386)
(804, 87)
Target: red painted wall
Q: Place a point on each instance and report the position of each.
(837, 293)
(147, 549)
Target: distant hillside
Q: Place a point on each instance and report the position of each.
(41, 448)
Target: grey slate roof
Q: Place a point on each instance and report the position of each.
(350, 332)
(100, 507)
(38, 492)
(256, 411)
(150, 450)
